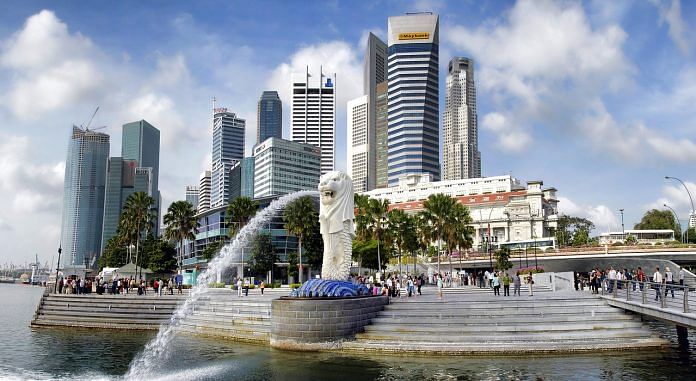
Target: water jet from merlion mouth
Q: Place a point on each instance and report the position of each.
(148, 361)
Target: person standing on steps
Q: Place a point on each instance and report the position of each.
(669, 281)
(506, 284)
(262, 286)
(239, 287)
(516, 284)
(530, 283)
(682, 274)
(495, 282)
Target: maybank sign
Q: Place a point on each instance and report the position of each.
(414, 36)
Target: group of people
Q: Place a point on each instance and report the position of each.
(74, 286)
(117, 286)
(634, 278)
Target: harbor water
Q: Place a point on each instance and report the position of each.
(76, 354)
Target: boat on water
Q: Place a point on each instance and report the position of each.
(5, 279)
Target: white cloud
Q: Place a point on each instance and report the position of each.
(510, 138)
(675, 196)
(671, 14)
(334, 57)
(52, 68)
(602, 216)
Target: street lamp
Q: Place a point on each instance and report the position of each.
(677, 218)
(690, 199)
(60, 250)
(623, 232)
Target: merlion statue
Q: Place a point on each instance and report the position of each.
(336, 215)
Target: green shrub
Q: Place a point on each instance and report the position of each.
(274, 285)
(216, 285)
(295, 285)
(186, 286)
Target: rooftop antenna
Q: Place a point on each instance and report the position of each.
(214, 103)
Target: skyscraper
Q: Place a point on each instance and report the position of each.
(269, 117)
(141, 142)
(283, 167)
(123, 178)
(375, 72)
(204, 192)
(413, 98)
(228, 147)
(358, 148)
(314, 113)
(83, 196)
(242, 178)
(192, 195)
(461, 158)
(381, 179)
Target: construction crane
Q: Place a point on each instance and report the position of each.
(90, 122)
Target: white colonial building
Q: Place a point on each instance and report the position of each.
(503, 208)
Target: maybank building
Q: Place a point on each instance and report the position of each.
(413, 107)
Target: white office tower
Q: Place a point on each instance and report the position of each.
(413, 96)
(204, 192)
(314, 113)
(358, 148)
(228, 148)
(461, 158)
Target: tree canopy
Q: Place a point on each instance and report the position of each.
(263, 255)
(659, 219)
(573, 230)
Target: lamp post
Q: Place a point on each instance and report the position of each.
(623, 232)
(60, 250)
(676, 218)
(690, 199)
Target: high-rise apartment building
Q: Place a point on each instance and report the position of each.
(123, 178)
(374, 72)
(283, 167)
(413, 98)
(269, 117)
(141, 142)
(314, 113)
(381, 147)
(228, 147)
(83, 196)
(358, 148)
(242, 178)
(204, 192)
(192, 195)
(461, 158)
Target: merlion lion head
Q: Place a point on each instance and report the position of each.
(336, 192)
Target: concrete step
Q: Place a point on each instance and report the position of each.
(519, 313)
(69, 315)
(100, 324)
(479, 337)
(194, 319)
(258, 336)
(488, 327)
(512, 320)
(79, 320)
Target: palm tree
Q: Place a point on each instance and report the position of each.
(300, 216)
(238, 213)
(362, 217)
(458, 231)
(377, 210)
(180, 224)
(437, 210)
(400, 226)
(140, 210)
(423, 233)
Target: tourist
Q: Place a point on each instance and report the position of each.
(246, 287)
(506, 284)
(409, 286)
(669, 280)
(657, 280)
(682, 274)
(170, 286)
(179, 286)
(640, 275)
(239, 287)
(487, 279)
(612, 278)
(480, 279)
(516, 284)
(419, 284)
(439, 286)
(262, 286)
(495, 282)
(530, 282)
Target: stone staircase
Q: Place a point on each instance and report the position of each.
(105, 311)
(470, 322)
(221, 313)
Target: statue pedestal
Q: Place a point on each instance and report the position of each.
(312, 324)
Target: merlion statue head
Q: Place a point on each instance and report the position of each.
(337, 205)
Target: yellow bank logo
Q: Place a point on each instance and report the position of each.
(414, 36)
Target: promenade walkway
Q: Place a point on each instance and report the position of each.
(670, 303)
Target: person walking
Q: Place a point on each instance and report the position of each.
(682, 274)
(480, 279)
(419, 284)
(439, 286)
(262, 286)
(246, 287)
(409, 286)
(506, 284)
(669, 281)
(530, 283)
(640, 275)
(516, 284)
(239, 287)
(658, 282)
(495, 281)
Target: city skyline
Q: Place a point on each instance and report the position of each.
(562, 111)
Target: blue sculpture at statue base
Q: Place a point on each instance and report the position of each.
(329, 288)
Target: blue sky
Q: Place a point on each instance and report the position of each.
(596, 98)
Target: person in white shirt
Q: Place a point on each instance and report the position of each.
(657, 278)
(239, 286)
(682, 274)
(611, 277)
(669, 280)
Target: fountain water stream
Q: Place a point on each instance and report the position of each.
(147, 362)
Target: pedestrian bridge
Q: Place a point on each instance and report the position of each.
(671, 303)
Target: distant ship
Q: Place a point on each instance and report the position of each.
(6, 279)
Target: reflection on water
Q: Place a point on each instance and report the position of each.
(98, 354)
